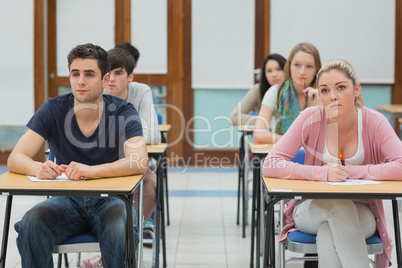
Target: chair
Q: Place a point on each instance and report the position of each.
(300, 242)
(306, 243)
(80, 243)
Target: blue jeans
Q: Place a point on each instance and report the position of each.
(59, 218)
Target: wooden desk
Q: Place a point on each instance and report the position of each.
(395, 110)
(279, 189)
(164, 128)
(242, 182)
(158, 152)
(120, 187)
(260, 150)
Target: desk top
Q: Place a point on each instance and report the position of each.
(244, 128)
(287, 187)
(164, 127)
(392, 109)
(261, 148)
(13, 183)
(156, 149)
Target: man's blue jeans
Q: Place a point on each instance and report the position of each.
(59, 218)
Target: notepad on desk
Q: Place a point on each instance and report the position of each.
(62, 177)
(353, 182)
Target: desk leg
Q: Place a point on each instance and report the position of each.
(269, 250)
(6, 228)
(397, 232)
(140, 226)
(246, 163)
(165, 176)
(258, 195)
(240, 176)
(130, 242)
(253, 214)
(158, 217)
(163, 230)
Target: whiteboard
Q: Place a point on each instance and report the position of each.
(17, 62)
(149, 35)
(78, 22)
(360, 31)
(222, 44)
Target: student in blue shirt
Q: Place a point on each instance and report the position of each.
(91, 135)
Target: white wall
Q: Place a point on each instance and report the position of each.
(16, 64)
(79, 22)
(222, 43)
(149, 35)
(360, 31)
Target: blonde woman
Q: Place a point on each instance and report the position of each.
(283, 103)
(366, 139)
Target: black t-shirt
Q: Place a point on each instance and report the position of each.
(55, 121)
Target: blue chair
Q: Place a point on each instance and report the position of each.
(300, 242)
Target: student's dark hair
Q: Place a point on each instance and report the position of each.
(264, 84)
(131, 49)
(90, 51)
(120, 58)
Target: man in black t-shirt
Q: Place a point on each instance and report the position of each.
(91, 136)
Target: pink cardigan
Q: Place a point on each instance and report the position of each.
(309, 131)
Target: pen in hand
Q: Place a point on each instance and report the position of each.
(342, 158)
(304, 85)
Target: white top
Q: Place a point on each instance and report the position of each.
(140, 95)
(270, 101)
(358, 158)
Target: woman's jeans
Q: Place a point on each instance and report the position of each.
(341, 227)
(59, 218)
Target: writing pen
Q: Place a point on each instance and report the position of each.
(304, 85)
(342, 158)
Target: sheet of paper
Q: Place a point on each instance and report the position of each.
(354, 182)
(62, 177)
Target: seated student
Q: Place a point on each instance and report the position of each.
(136, 55)
(372, 151)
(271, 74)
(283, 103)
(121, 75)
(92, 135)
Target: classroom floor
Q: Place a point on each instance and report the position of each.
(202, 232)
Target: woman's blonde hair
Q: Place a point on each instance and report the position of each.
(345, 67)
(306, 48)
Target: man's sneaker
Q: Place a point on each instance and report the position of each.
(149, 224)
(94, 262)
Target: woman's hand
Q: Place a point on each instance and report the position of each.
(313, 95)
(337, 173)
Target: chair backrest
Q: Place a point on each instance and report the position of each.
(299, 158)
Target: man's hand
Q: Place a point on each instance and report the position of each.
(76, 171)
(337, 172)
(49, 170)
